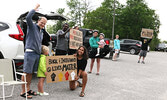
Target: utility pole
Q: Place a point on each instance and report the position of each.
(113, 22)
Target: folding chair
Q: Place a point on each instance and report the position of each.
(8, 76)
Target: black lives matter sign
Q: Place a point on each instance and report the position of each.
(76, 39)
(61, 68)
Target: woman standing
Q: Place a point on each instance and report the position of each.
(93, 41)
(82, 57)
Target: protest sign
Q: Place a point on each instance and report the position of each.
(76, 39)
(147, 33)
(61, 68)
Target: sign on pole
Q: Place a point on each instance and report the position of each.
(61, 68)
(76, 39)
(147, 33)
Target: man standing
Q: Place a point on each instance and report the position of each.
(32, 49)
(143, 51)
(62, 40)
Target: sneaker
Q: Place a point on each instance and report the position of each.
(38, 93)
(143, 62)
(138, 61)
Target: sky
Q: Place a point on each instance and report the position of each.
(11, 9)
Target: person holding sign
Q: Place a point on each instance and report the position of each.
(62, 40)
(73, 51)
(32, 49)
(82, 57)
(41, 73)
(143, 51)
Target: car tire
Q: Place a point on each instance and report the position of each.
(1, 55)
(132, 51)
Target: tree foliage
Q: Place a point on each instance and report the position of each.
(129, 19)
(78, 10)
(58, 24)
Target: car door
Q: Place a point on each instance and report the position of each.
(126, 45)
(122, 45)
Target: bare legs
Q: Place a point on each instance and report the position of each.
(115, 55)
(28, 79)
(92, 63)
(84, 80)
(40, 84)
(140, 58)
(74, 84)
(98, 65)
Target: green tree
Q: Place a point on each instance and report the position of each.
(137, 15)
(58, 24)
(78, 10)
(129, 20)
(102, 18)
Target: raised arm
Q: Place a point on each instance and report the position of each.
(149, 41)
(63, 35)
(30, 14)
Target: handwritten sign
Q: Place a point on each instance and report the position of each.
(147, 33)
(76, 39)
(61, 68)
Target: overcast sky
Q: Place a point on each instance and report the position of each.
(11, 9)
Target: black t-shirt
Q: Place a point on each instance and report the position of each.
(145, 45)
(81, 64)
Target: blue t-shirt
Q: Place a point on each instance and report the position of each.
(116, 44)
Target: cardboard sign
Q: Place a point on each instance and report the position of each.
(76, 39)
(61, 68)
(147, 33)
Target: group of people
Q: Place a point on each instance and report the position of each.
(35, 54)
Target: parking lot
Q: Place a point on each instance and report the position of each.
(124, 79)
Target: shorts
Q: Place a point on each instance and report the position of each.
(31, 61)
(143, 53)
(116, 50)
(93, 52)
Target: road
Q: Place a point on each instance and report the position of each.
(124, 79)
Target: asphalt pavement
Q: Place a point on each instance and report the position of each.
(124, 79)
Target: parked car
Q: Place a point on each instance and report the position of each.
(11, 45)
(161, 47)
(130, 45)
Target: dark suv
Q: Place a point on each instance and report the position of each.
(130, 45)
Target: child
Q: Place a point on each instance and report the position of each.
(101, 43)
(41, 73)
(116, 47)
